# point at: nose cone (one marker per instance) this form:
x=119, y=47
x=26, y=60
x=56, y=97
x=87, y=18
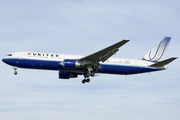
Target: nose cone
x=4, y=60
x=10, y=61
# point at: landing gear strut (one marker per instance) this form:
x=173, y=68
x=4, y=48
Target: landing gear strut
x=15, y=72
x=89, y=72
x=86, y=77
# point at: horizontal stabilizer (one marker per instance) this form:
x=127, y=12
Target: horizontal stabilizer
x=163, y=63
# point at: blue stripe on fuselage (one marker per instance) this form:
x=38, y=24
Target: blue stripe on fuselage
x=56, y=65
x=34, y=63
x=124, y=69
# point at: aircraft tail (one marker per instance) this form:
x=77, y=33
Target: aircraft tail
x=157, y=52
x=163, y=63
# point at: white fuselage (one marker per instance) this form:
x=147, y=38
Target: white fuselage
x=50, y=61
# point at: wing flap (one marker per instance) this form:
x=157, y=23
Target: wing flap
x=108, y=55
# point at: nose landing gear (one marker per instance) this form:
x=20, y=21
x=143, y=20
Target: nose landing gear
x=15, y=72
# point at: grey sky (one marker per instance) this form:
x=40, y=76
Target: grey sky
x=81, y=28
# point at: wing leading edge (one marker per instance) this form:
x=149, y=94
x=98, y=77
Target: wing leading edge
x=104, y=54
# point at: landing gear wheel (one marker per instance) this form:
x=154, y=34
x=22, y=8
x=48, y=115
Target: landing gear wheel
x=15, y=68
x=15, y=72
x=83, y=81
x=88, y=80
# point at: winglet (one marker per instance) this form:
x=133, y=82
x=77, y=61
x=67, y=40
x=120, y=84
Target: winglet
x=163, y=63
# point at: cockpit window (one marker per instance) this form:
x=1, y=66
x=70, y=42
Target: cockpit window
x=9, y=55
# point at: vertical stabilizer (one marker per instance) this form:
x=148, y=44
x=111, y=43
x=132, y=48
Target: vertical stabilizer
x=157, y=52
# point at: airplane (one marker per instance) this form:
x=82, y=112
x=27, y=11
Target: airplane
x=70, y=66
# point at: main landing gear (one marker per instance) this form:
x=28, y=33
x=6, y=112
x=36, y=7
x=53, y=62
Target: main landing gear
x=86, y=77
x=15, y=72
x=85, y=80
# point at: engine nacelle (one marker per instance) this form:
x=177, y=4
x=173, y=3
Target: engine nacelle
x=66, y=75
x=69, y=64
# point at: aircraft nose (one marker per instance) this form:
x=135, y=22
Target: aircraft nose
x=10, y=61
x=4, y=60
x=7, y=61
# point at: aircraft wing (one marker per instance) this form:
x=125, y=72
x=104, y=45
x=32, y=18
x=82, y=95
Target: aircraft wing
x=104, y=54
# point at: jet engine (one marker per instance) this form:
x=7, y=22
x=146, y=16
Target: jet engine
x=67, y=75
x=70, y=64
